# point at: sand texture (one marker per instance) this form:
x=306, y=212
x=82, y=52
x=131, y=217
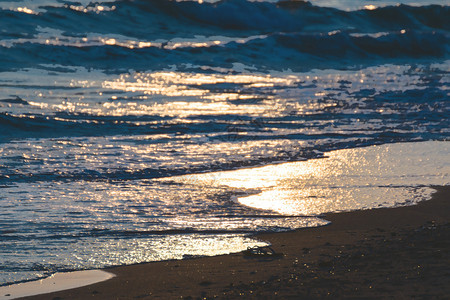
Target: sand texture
x=397, y=253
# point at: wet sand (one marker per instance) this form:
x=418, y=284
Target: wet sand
x=398, y=253
x=56, y=282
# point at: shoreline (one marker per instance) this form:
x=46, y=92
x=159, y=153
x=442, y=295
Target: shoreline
x=57, y=282
x=387, y=252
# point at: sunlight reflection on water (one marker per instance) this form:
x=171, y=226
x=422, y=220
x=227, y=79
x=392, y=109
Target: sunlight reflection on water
x=350, y=179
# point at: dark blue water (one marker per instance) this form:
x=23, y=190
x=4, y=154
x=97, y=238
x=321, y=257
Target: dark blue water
x=100, y=100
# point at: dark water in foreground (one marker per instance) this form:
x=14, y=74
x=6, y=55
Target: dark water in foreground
x=103, y=106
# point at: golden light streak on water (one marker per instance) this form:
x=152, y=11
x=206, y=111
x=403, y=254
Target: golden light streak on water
x=26, y=10
x=349, y=179
x=370, y=7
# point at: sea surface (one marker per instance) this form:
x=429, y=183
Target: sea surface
x=134, y=131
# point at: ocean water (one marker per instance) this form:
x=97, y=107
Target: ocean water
x=135, y=131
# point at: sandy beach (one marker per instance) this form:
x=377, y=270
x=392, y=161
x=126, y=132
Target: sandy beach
x=399, y=253
x=147, y=146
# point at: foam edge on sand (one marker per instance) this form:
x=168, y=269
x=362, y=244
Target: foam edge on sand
x=56, y=282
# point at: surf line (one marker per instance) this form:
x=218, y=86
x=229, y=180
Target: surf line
x=54, y=283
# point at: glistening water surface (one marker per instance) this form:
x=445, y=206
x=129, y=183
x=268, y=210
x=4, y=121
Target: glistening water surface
x=350, y=179
x=109, y=111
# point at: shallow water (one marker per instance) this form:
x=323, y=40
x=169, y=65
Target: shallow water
x=346, y=180
x=109, y=111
